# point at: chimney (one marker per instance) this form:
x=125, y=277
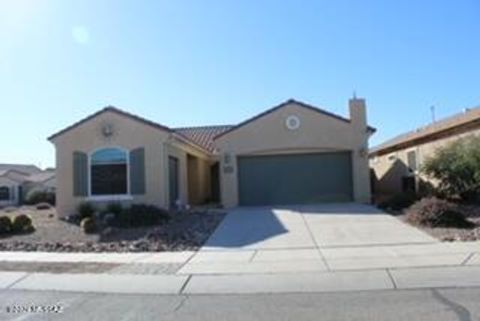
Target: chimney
x=358, y=113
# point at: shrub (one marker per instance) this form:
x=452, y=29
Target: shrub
x=43, y=206
x=86, y=210
x=457, y=169
x=141, y=215
x=5, y=225
x=434, y=212
x=114, y=208
x=22, y=223
x=88, y=225
x=399, y=201
x=35, y=197
x=109, y=219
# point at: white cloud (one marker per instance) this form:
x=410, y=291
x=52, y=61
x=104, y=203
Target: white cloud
x=80, y=35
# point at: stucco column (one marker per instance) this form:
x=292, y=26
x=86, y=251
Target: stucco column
x=361, y=169
x=228, y=179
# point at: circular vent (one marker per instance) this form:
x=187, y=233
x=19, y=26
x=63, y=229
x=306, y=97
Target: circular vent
x=292, y=122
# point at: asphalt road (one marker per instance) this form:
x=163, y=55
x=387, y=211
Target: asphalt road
x=435, y=305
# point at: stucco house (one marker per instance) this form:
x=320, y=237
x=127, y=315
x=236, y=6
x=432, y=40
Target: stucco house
x=293, y=153
x=396, y=163
x=17, y=180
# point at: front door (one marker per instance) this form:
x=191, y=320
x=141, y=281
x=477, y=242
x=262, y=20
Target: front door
x=173, y=186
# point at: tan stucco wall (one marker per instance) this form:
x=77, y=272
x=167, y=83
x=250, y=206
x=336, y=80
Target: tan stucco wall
x=389, y=173
x=317, y=133
x=129, y=134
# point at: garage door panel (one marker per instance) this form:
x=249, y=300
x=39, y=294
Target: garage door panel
x=295, y=179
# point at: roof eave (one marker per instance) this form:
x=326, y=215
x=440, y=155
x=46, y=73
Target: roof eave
x=104, y=110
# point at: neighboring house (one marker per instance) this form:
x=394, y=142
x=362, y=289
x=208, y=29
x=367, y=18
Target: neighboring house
x=396, y=162
x=291, y=154
x=16, y=181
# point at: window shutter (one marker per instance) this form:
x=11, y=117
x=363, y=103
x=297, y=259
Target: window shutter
x=137, y=171
x=80, y=174
x=12, y=193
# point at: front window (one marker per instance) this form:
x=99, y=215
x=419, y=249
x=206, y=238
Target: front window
x=108, y=172
x=4, y=193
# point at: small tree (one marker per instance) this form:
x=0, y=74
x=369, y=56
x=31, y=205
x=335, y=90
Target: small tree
x=456, y=167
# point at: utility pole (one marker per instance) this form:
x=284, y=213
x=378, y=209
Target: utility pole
x=432, y=110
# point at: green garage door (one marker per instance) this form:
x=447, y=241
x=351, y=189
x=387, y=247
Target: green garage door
x=295, y=179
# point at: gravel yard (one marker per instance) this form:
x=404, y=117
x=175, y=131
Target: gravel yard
x=110, y=268
x=185, y=231
x=456, y=234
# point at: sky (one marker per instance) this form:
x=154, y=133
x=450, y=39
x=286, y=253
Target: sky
x=188, y=63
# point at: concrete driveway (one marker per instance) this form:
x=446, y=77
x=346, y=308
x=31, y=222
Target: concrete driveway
x=312, y=226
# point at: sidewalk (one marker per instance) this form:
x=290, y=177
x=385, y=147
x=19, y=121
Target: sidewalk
x=252, y=271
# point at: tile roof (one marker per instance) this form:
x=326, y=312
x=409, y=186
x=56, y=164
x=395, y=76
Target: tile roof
x=202, y=135
x=467, y=116
x=41, y=177
x=27, y=169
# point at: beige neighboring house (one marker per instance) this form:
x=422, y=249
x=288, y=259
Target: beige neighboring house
x=293, y=153
x=396, y=162
x=16, y=181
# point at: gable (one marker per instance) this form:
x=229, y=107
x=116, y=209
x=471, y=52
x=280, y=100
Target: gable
x=269, y=131
x=286, y=104
x=112, y=110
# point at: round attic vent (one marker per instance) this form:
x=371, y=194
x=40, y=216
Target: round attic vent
x=292, y=122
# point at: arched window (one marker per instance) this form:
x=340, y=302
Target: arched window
x=4, y=193
x=109, y=172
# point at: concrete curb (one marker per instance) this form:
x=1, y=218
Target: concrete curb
x=289, y=283
x=102, y=283
x=342, y=281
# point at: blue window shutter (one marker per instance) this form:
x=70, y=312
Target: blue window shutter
x=80, y=174
x=137, y=171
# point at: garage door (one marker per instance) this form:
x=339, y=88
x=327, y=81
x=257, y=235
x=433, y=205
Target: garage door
x=295, y=179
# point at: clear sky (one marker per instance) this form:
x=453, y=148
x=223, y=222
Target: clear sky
x=206, y=62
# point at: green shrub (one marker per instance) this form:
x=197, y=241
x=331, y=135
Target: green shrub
x=114, y=208
x=22, y=223
x=86, y=210
x=141, y=215
x=434, y=212
x=35, y=197
x=5, y=225
x=399, y=201
x=457, y=169
x=88, y=225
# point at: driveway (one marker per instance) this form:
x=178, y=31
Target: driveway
x=312, y=226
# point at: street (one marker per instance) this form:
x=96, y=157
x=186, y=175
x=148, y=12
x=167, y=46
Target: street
x=428, y=304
